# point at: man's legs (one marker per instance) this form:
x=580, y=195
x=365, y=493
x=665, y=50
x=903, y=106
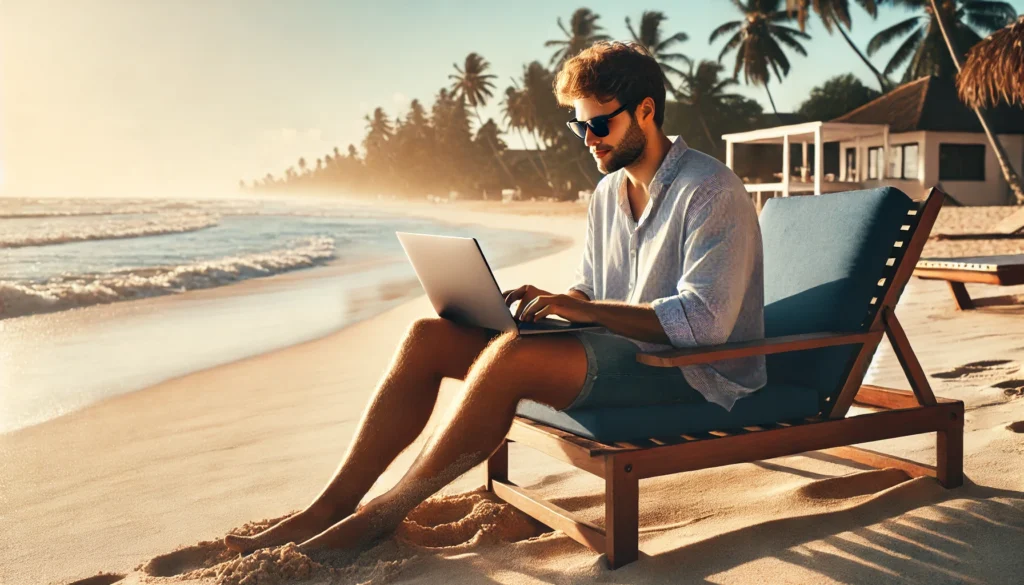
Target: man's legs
x=396, y=414
x=547, y=368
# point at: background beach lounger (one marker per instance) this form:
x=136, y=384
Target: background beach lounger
x=998, y=270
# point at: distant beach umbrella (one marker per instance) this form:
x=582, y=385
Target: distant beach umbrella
x=994, y=71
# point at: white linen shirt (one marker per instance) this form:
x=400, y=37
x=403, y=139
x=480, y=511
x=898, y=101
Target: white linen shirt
x=694, y=255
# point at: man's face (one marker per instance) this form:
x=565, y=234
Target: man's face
x=625, y=141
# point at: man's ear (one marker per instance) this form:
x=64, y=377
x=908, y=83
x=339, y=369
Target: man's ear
x=647, y=108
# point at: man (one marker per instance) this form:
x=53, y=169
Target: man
x=672, y=259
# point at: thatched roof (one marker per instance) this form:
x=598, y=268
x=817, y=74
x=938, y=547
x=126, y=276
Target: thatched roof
x=931, y=103
x=994, y=71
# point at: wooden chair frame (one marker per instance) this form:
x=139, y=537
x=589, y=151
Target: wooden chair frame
x=622, y=465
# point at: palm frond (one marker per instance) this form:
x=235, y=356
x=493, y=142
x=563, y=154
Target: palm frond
x=725, y=28
x=732, y=44
x=910, y=46
x=679, y=37
x=892, y=33
x=791, y=43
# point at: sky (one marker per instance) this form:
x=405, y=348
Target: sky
x=186, y=97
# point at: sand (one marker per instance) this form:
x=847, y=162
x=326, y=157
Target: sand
x=146, y=484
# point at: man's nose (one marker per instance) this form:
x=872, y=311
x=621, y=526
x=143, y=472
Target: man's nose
x=591, y=139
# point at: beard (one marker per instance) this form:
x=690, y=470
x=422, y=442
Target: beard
x=626, y=152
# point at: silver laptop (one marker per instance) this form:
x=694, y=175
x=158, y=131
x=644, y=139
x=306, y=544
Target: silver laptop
x=462, y=288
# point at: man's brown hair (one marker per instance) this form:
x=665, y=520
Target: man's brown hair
x=613, y=70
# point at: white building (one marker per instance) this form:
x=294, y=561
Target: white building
x=915, y=137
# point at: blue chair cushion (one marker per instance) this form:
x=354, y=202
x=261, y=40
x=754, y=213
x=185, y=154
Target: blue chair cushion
x=824, y=257
x=773, y=403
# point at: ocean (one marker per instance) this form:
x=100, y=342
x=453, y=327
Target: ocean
x=68, y=336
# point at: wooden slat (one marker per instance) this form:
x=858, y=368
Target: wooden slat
x=880, y=397
x=702, y=355
x=958, y=275
x=882, y=460
x=545, y=440
x=908, y=360
x=551, y=515
x=793, y=439
x=621, y=510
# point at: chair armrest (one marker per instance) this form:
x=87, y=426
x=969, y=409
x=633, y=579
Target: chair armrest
x=712, y=353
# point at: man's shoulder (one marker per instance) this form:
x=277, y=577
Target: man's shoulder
x=606, y=188
x=700, y=176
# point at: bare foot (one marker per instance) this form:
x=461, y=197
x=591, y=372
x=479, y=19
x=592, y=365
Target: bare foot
x=296, y=528
x=366, y=525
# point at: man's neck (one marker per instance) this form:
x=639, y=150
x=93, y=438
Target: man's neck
x=643, y=170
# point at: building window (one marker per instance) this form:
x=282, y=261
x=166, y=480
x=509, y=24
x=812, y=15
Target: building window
x=851, y=164
x=876, y=163
x=961, y=162
x=903, y=161
x=910, y=154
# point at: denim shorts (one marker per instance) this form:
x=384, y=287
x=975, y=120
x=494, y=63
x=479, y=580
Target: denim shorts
x=615, y=378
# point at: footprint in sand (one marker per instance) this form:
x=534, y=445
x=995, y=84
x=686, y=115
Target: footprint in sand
x=198, y=556
x=100, y=579
x=853, y=485
x=1016, y=427
x=980, y=370
x=1011, y=388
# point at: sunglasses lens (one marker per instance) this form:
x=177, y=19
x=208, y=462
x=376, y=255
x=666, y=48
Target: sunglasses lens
x=599, y=127
x=578, y=128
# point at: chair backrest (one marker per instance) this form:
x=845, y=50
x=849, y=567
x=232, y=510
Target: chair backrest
x=829, y=261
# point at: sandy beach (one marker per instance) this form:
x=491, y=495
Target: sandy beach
x=120, y=486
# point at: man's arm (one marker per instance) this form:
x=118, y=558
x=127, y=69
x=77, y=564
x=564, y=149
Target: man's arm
x=576, y=294
x=633, y=321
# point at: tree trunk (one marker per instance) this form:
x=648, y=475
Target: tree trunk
x=882, y=81
x=533, y=163
x=707, y=131
x=770, y=99
x=1011, y=176
x=494, y=149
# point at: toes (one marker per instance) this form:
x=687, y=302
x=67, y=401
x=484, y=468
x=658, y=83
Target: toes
x=240, y=544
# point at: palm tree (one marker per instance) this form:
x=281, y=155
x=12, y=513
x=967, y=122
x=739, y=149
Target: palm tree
x=757, y=39
x=473, y=85
x=703, y=90
x=650, y=37
x=583, y=31
x=924, y=46
x=302, y=165
x=837, y=13
x=945, y=12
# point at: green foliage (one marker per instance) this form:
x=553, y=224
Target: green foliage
x=837, y=96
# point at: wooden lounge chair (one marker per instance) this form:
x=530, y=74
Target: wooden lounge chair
x=835, y=266
x=997, y=270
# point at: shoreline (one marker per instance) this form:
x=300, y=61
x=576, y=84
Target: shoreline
x=300, y=305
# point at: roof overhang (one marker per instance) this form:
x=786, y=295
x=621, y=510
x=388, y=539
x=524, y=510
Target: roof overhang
x=830, y=132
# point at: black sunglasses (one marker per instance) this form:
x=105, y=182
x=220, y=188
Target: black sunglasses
x=598, y=124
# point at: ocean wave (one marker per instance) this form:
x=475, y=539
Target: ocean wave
x=66, y=292
x=110, y=229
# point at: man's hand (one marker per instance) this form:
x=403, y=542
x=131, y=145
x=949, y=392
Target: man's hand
x=524, y=294
x=565, y=306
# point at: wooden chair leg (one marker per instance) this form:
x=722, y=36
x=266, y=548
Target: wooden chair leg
x=496, y=467
x=950, y=468
x=949, y=453
x=960, y=296
x=621, y=512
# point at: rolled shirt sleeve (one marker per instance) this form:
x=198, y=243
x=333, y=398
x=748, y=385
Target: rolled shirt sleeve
x=718, y=263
